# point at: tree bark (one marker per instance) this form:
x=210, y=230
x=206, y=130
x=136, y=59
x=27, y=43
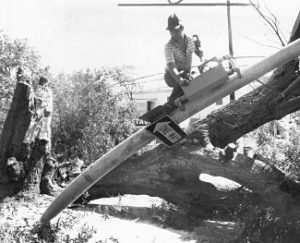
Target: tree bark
x=174, y=175
x=277, y=98
x=23, y=152
x=15, y=127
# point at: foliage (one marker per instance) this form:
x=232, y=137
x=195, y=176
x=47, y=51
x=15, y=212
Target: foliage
x=14, y=54
x=45, y=233
x=278, y=142
x=266, y=224
x=169, y=215
x=19, y=222
x=89, y=116
x=122, y=80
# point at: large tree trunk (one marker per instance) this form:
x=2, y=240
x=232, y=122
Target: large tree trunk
x=23, y=151
x=173, y=174
x=272, y=101
x=15, y=127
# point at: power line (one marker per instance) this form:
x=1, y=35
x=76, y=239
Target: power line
x=180, y=4
x=132, y=82
x=241, y=57
x=140, y=79
x=147, y=76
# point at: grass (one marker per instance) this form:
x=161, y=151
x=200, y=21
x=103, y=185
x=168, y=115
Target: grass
x=19, y=223
x=118, y=223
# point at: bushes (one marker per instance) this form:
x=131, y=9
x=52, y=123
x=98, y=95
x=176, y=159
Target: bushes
x=89, y=117
x=278, y=142
x=14, y=54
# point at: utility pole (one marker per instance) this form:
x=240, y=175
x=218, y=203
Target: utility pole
x=232, y=95
x=180, y=4
x=229, y=28
x=203, y=4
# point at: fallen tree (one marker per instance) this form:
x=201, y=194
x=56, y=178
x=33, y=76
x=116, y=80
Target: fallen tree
x=173, y=174
x=267, y=201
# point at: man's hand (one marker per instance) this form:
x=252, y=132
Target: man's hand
x=184, y=82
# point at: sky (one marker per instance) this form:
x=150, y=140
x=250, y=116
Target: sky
x=73, y=35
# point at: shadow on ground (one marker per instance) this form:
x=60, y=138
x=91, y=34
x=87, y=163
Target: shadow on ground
x=191, y=228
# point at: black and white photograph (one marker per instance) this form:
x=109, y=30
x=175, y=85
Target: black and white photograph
x=149, y=121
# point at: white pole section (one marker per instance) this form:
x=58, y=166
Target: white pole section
x=124, y=150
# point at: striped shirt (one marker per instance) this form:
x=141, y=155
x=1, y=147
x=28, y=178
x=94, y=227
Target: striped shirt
x=182, y=58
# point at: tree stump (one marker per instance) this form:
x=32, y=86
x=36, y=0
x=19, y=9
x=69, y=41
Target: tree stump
x=25, y=141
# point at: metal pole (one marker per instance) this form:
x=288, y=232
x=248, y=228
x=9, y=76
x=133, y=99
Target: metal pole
x=124, y=150
x=179, y=4
x=232, y=95
x=229, y=28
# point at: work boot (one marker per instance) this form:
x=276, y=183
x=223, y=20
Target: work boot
x=169, y=107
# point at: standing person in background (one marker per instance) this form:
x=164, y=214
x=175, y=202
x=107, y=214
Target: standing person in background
x=178, y=54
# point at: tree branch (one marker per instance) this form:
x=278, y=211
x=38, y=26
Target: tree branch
x=272, y=23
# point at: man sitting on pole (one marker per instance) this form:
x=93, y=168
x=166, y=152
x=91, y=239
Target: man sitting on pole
x=178, y=55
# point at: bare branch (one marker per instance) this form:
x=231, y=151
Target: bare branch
x=273, y=23
x=262, y=44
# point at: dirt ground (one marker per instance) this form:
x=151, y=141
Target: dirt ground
x=126, y=219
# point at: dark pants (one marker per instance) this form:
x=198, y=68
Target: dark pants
x=177, y=90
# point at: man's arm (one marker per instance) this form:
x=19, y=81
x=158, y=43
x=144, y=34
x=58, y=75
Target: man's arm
x=175, y=74
x=171, y=66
